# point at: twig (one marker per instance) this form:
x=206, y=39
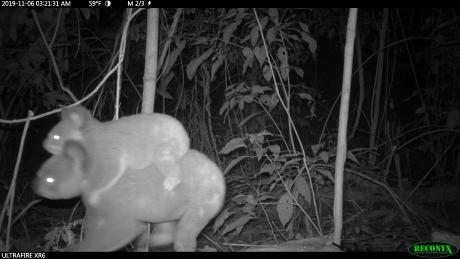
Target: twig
x=10, y=195
x=53, y=60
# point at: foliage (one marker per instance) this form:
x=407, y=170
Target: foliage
x=61, y=236
x=248, y=85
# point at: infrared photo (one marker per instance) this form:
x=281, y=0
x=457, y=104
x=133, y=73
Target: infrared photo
x=142, y=129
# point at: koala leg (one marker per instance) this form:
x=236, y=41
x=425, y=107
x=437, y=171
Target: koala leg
x=161, y=235
x=108, y=234
x=189, y=227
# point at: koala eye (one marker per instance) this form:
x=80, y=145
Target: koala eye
x=49, y=180
x=56, y=137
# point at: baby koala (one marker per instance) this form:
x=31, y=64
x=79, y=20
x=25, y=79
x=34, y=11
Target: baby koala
x=131, y=142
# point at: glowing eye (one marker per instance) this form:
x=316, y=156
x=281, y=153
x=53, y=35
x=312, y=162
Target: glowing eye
x=56, y=137
x=50, y=180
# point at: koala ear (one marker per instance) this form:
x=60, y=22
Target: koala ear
x=78, y=116
x=76, y=152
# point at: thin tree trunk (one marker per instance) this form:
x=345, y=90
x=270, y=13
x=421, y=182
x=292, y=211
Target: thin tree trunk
x=151, y=61
x=378, y=87
x=343, y=121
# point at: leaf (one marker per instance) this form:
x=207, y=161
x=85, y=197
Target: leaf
x=263, y=22
x=172, y=57
x=304, y=27
x=269, y=168
x=249, y=205
x=248, y=118
x=272, y=33
x=324, y=156
x=306, y=96
x=352, y=157
x=284, y=66
x=288, y=183
x=294, y=37
x=193, y=65
x=298, y=70
x=240, y=103
x=248, y=99
x=267, y=73
x=257, y=138
x=224, y=107
x=273, y=13
x=260, y=54
x=265, y=197
x=257, y=89
x=264, y=133
x=275, y=149
x=240, y=199
x=230, y=13
x=326, y=173
x=282, y=55
x=219, y=221
x=254, y=35
x=260, y=151
x=420, y=110
x=232, y=145
x=228, y=31
x=161, y=91
x=356, y=229
x=237, y=224
x=232, y=103
x=269, y=100
x=216, y=65
x=312, y=44
x=285, y=208
x=243, y=100
x=247, y=52
x=294, y=161
x=233, y=163
x=86, y=13
x=412, y=95
x=303, y=188
x=201, y=41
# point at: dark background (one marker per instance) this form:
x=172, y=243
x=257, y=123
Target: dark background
x=417, y=118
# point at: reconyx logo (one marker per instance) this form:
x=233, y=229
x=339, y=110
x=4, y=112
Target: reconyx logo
x=432, y=249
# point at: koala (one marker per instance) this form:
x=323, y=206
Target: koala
x=138, y=197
